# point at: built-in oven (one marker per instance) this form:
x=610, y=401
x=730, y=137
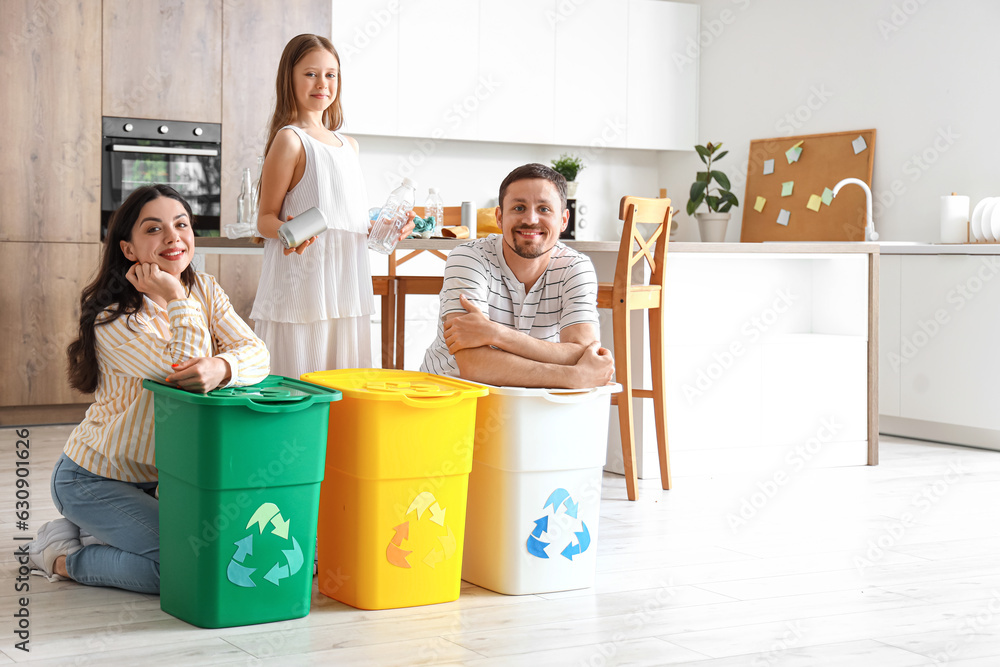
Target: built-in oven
x=186, y=156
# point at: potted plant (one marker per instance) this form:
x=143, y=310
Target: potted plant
x=569, y=166
x=711, y=224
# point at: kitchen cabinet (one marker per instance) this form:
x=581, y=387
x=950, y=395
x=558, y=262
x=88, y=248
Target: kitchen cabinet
x=239, y=276
x=602, y=73
x=590, y=89
x=50, y=166
x=40, y=303
x=941, y=324
x=163, y=59
x=890, y=288
x=948, y=328
x=366, y=35
x=662, y=75
x=253, y=37
x=439, y=86
x=517, y=62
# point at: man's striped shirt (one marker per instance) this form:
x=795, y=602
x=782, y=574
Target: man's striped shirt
x=564, y=295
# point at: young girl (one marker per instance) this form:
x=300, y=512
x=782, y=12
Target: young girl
x=146, y=315
x=313, y=307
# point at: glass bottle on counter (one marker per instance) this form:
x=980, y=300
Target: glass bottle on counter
x=244, y=203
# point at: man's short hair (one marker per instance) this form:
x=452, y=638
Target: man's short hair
x=531, y=171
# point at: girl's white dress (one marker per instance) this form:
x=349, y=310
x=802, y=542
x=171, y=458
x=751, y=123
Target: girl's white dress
x=313, y=311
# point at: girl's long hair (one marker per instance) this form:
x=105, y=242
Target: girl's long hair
x=110, y=292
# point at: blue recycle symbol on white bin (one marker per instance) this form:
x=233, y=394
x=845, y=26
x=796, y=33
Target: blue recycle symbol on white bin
x=559, y=500
x=241, y=574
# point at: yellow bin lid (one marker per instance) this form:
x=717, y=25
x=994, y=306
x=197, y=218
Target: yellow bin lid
x=413, y=388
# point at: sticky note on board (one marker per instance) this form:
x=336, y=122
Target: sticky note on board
x=814, y=202
x=859, y=144
x=768, y=167
x=783, y=217
x=827, y=196
x=794, y=153
x=786, y=188
x=759, y=205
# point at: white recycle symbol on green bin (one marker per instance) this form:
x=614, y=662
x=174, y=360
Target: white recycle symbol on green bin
x=240, y=574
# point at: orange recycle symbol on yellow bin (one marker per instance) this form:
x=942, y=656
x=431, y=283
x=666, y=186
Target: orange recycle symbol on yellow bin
x=426, y=538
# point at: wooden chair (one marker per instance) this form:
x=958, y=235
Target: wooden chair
x=396, y=288
x=622, y=297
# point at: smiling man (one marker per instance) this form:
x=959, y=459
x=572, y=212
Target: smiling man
x=519, y=308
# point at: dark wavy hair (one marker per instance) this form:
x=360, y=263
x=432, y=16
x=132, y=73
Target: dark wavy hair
x=110, y=292
x=535, y=170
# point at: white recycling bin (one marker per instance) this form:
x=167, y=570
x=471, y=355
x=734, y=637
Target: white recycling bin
x=535, y=489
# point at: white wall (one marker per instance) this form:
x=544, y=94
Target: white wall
x=472, y=171
x=922, y=72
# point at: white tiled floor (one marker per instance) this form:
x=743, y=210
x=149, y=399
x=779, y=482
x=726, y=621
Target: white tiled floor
x=897, y=564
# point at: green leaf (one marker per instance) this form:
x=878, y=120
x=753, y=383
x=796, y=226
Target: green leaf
x=721, y=155
x=698, y=190
x=725, y=207
x=722, y=179
x=694, y=204
x=702, y=176
x=710, y=147
x=730, y=197
x=703, y=153
x=713, y=203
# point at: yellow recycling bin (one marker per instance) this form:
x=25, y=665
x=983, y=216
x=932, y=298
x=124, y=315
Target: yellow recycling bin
x=393, y=499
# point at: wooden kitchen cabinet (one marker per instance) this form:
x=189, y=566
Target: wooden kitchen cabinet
x=163, y=59
x=40, y=303
x=253, y=36
x=50, y=166
x=239, y=276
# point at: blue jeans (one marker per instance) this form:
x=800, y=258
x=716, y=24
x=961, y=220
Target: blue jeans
x=125, y=515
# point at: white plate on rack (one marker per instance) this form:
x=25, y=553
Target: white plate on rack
x=986, y=220
x=994, y=220
x=976, y=221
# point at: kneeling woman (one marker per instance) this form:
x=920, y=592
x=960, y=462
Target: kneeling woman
x=148, y=314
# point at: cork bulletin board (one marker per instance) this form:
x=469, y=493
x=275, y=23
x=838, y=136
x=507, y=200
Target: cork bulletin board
x=789, y=188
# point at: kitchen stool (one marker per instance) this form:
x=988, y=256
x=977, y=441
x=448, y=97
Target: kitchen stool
x=622, y=297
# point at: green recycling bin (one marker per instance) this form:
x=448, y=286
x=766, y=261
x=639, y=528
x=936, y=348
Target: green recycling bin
x=239, y=471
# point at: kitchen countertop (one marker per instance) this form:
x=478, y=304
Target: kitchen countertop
x=243, y=246
x=905, y=248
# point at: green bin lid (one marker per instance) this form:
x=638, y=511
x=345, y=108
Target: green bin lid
x=274, y=390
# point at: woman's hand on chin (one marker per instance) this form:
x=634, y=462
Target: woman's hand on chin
x=152, y=281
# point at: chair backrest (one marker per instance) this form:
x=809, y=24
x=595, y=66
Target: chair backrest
x=634, y=211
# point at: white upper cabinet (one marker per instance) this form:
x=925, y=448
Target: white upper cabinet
x=591, y=56
x=366, y=35
x=517, y=59
x=662, y=75
x=619, y=73
x=439, y=69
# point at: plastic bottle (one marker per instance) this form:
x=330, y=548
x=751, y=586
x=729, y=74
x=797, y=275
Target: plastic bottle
x=391, y=218
x=434, y=207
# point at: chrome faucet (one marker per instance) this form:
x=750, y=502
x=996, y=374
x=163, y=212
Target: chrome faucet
x=870, y=233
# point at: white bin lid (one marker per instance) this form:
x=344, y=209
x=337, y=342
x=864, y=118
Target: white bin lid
x=556, y=395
